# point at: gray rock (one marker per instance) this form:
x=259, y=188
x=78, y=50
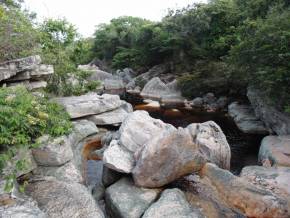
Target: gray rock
x=274, y=179
x=154, y=89
x=167, y=157
x=138, y=128
x=118, y=158
x=53, y=152
x=274, y=119
x=41, y=72
x=245, y=118
x=126, y=75
x=83, y=129
x=114, y=86
x=115, y=117
x=30, y=85
x=124, y=199
x=197, y=102
x=212, y=143
x=89, y=104
x=173, y=98
x=275, y=151
x=23, y=208
x=171, y=204
x=67, y=172
x=61, y=199
x=21, y=154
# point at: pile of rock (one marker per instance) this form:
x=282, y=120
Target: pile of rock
x=146, y=155
x=103, y=109
x=26, y=71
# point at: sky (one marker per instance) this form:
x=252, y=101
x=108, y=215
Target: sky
x=87, y=14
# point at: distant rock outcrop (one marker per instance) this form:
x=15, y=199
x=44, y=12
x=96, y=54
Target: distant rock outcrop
x=25, y=71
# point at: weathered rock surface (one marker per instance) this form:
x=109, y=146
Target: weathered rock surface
x=251, y=200
x=53, y=152
x=124, y=199
x=138, y=128
x=275, y=151
x=115, y=117
x=25, y=71
x=89, y=104
x=246, y=120
x=212, y=143
x=172, y=204
x=67, y=172
x=61, y=199
x=23, y=208
x=274, y=119
x=201, y=194
x=154, y=89
x=126, y=75
x=173, y=98
x=273, y=179
x=166, y=157
x=118, y=158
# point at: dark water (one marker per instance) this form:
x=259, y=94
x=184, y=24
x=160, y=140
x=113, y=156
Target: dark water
x=244, y=147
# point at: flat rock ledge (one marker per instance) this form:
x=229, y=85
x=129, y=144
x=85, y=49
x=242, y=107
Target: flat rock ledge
x=28, y=72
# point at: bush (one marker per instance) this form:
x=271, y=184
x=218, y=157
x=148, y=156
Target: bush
x=24, y=118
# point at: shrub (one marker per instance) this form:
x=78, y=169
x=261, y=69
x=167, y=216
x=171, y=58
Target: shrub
x=23, y=118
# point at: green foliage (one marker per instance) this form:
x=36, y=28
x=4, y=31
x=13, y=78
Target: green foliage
x=18, y=37
x=23, y=118
x=264, y=53
x=62, y=48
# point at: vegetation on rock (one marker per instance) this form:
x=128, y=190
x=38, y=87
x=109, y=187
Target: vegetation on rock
x=24, y=118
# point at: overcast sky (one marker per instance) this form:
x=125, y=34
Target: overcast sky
x=86, y=14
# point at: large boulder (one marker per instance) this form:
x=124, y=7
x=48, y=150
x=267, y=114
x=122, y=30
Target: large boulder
x=212, y=143
x=172, y=204
x=251, y=200
x=246, y=120
x=166, y=157
x=126, y=75
x=154, y=89
x=89, y=104
x=125, y=200
x=136, y=130
x=173, y=98
x=275, y=151
x=61, y=199
x=274, y=119
x=178, y=152
x=270, y=178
